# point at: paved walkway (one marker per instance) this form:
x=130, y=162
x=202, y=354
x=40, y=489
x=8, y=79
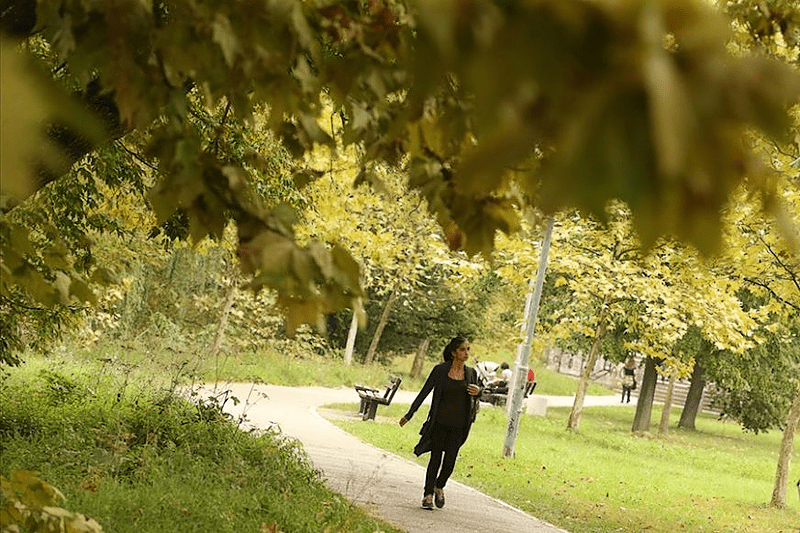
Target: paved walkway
x=384, y=484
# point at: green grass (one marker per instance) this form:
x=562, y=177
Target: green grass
x=280, y=369
x=276, y=368
x=603, y=479
x=138, y=457
x=270, y=366
x=551, y=383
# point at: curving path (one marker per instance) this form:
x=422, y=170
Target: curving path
x=384, y=484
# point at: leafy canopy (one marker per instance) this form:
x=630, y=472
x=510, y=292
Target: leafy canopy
x=488, y=106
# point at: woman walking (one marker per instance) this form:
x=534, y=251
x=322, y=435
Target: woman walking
x=455, y=397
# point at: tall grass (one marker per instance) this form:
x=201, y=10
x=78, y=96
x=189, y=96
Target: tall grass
x=290, y=368
x=138, y=457
x=297, y=368
x=717, y=478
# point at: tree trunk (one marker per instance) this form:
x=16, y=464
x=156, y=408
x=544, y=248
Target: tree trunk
x=419, y=359
x=785, y=455
x=574, y=421
x=379, y=330
x=351, y=340
x=644, y=406
x=693, y=398
x=663, y=426
x=223, y=322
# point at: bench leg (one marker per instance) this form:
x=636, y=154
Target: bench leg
x=362, y=406
x=370, y=411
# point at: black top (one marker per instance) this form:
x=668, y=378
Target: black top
x=437, y=382
x=451, y=409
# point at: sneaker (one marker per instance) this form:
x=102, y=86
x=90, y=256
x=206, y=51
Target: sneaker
x=439, y=498
x=427, y=502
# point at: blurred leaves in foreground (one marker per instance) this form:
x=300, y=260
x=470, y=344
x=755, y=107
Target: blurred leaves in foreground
x=494, y=109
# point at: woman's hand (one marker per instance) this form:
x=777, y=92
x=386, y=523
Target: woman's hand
x=403, y=422
x=473, y=390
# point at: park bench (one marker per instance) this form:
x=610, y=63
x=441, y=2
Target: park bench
x=371, y=398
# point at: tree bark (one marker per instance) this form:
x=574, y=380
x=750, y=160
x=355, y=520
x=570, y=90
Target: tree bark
x=663, y=426
x=693, y=398
x=379, y=330
x=351, y=341
x=574, y=421
x=785, y=456
x=644, y=406
x=419, y=359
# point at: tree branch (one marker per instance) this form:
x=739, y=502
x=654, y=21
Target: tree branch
x=772, y=292
x=136, y=155
x=789, y=271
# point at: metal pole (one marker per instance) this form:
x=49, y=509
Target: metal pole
x=521, y=366
x=518, y=357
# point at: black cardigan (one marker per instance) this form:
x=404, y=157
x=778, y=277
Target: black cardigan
x=435, y=383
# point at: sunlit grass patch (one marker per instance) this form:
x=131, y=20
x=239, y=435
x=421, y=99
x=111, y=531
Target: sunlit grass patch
x=603, y=478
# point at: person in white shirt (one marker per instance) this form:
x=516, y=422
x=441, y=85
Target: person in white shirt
x=506, y=373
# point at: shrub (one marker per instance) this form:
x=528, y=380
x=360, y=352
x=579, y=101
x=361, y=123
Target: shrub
x=161, y=460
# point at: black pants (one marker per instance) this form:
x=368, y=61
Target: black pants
x=445, y=443
x=626, y=391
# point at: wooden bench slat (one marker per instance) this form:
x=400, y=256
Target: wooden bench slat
x=371, y=398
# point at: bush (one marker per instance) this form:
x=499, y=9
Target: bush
x=160, y=460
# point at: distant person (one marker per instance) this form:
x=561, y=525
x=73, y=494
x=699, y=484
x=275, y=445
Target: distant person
x=628, y=379
x=504, y=381
x=531, y=383
x=455, y=395
x=506, y=373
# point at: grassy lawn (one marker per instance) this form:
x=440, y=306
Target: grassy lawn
x=603, y=479
x=277, y=368
x=281, y=369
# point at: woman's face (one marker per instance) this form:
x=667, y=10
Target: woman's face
x=462, y=352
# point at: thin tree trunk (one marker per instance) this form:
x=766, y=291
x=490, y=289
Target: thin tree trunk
x=223, y=322
x=351, y=340
x=785, y=455
x=574, y=421
x=693, y=398
x=419, y=359
x=644, y=406
x=663, y=426
x=379, y=330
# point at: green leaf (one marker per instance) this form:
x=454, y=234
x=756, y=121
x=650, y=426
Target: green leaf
x=223, y=34
x=302, y=71
x=347, y=271
x=80, y=290
x=312, y=130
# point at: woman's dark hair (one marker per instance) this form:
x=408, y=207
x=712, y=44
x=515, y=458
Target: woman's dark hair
x=452, y=346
